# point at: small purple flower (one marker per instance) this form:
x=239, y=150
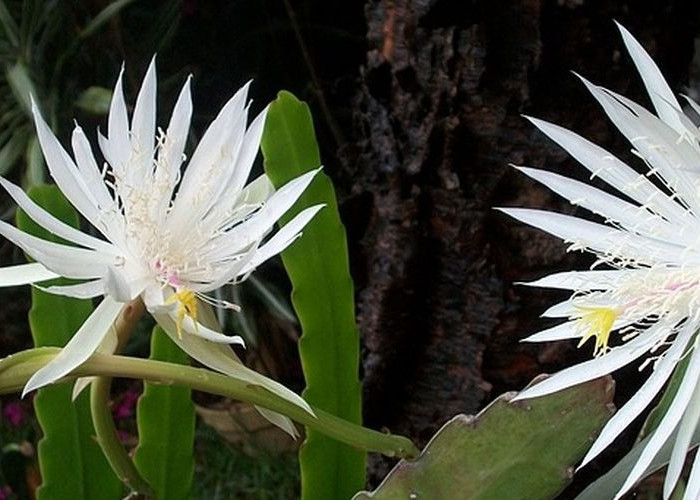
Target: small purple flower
x=5, y=492
x=125, y=407
x=15, y=414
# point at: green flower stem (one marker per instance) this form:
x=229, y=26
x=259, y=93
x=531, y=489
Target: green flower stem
x=108, y=438
x=16, y=370
x=102, y=419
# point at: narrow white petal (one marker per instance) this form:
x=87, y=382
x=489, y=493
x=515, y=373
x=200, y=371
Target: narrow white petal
x=692, y=487
x=51, y=223
x=118, y=143
x=600, y=238
x=279, y=420
x=108, y=345
x=653, y=139
x=597, y=367
x=143, y=125
x=87, y=290
x=668, y=423
x=642, y=398
x=246, y=155
x=193, y=328
x=25, y=274
x=89, y=170
x=659, y=92
x=221, y=358
x=563, y=331
x=631, y=217
x=71, y=262
x=616, y=173
x=80, y=347
x=256, y=227
x=171, y=153
x=208, y=153
x=65, y=173
x=681, y=446
x=283, y=238
x=581, y=280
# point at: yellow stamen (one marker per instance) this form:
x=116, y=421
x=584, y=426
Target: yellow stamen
x=598, y=322
x=187, y=306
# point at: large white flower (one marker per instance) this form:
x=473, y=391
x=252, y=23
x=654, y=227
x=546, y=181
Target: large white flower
x=168, y=247
x=647, y=293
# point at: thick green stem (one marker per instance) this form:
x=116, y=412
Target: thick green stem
x=108, y=438
x=16, y=370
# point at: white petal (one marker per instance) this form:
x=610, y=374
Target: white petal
x=87, y=166
x=108, y=345
x=51, y=223
x=193, y=328
x=71, y=262
x=597, y=367
x=279, y=420
x=661, y=95
x=631, y=217
x=118, y=144
x=682, y=445
x=653, y=139
x=668, y=423
x=601, y=238
x=581, y=280
x=692, y=487
x=66, y=175
x=283, y=238
x=255, y=227
x=87, y=290
x=206, y=157
x=25, y=274
x=562, y=331
x=641, y=399
x=79, y=348
x=221, y=358
x=143, y=126
x=171, y=154
x=246, y=155
x=604, y=165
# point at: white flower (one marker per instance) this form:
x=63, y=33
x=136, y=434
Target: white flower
x=168, y=247
x=648, y=293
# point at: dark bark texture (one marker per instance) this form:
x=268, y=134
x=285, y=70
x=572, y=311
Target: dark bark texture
x=437, y=121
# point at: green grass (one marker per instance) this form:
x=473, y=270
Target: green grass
x=223, y=472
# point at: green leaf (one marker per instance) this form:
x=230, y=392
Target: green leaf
x=94, y=100
x=166, y=418
x=323, y=299
x=71, y=462
x=523, y=450
x=111, y=10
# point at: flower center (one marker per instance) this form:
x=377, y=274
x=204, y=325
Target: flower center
x=597, y=322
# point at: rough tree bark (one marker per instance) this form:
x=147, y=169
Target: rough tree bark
x=437, y=122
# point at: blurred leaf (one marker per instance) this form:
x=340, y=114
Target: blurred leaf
x=71, y=462
x=166, y=418
x=104, y=16
x=36, y=169
x=94, y=100
x=11, y=151
x=273, y=299
x=21, y=85
x=524, y=450
x=323, y=298
x=9, y=25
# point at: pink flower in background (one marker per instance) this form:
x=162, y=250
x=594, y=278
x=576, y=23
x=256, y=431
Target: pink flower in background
x=15, y=414
x=125, y=407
